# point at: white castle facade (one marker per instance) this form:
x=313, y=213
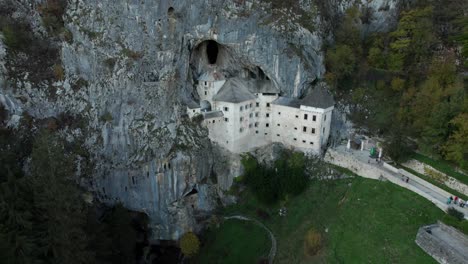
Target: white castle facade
x=242, y=114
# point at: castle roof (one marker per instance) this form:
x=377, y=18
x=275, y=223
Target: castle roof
x=192, y=105
x=318, y=97
x=213, y=114
x=263, y=86
x=234, y=90
x=211, y=76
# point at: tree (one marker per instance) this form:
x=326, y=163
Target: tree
x=412, y=40
x=189, y=244
x=58, y=206
x=456, y=149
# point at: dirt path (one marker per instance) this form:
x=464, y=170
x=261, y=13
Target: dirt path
x=272, y=254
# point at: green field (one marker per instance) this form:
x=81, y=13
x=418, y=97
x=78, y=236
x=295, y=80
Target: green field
x=361, y=220
x=235, y=241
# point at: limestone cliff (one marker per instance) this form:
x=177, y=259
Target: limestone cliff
x=130, y=67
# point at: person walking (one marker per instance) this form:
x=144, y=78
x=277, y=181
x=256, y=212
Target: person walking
x=407, y=179
x=455, y=200
x=448, y=200
x=461, y=203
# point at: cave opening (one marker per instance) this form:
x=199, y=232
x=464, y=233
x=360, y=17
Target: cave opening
x=170, y=11
x=192, y=192
x=212, y=51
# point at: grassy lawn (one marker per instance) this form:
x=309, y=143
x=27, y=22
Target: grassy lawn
x=442, y=166
x=235, y=241
x=361, y=221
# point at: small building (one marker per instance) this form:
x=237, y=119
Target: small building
x=242, y=114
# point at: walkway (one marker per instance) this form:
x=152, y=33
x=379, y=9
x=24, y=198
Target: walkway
x=360, y=163
x=272, y=254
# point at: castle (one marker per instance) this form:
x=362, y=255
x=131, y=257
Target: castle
x=242, y=114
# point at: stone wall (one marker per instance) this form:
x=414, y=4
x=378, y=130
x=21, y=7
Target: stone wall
x=437, y=175
x=439, y=249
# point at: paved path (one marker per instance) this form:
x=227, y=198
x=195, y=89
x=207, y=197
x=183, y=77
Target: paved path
x=436, y=195
x=272, y=254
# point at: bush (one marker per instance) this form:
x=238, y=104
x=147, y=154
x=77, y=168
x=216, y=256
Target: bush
x=312, y=242
x=189, y=244
x=59, y=72
x=286, y=177
x=52, y=15
x=262, y=214
x=455, y=213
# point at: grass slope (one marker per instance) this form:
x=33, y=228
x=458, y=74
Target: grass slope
x=235, y=241
x=366, y=221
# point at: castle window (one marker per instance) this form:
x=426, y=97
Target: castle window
x=324, y=130
x=267, y=125
x=241, y=108
x=251, y=115
x=295, y=128
x=246, y=106
x=250, y=125
x=133, y=180
x=257, y=104
x=313, y=130
x=277, y=135
x=256, y=124
x=325, y=117
x=250, y=105
x=278, y=124
x=303, y=141
x=311, y=143
x=314, y=118
x=295, y=139
x=214, y=121
x=206, y=83
x=268, y=104
x=305, y=116
x=279, y=113
x=194, y=111
x=226, y=109
x=241, y=129
x=297, y=116
x=226, y=119
x=205, y=93
x=241, y=118
x=267, y=115
x=266, y=134
x=256, y=114
x=304, y=129
x=256, y=131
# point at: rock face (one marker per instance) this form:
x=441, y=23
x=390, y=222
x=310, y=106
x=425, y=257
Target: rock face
x=131, y=68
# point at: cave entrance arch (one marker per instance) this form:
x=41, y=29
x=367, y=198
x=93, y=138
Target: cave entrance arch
x=205, y=106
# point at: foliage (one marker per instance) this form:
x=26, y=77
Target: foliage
x=59, y=72
x=406, y=83
x=52, y=12
x=456, y=148
x=286, y=177
x=106, y=117
x=189, y=244
x=455, y=213
x=312, y=242
x=441, y=166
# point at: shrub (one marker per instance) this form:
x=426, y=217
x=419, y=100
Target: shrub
x=312, y=242
x=59, y=72
x=132, y=54
x=52, y=15
x=189, y=244
x=106, y=117
x=455, y=213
